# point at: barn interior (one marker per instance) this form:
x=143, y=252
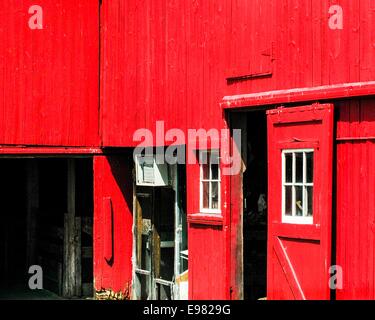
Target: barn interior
x=253, y=126
x=46, y=220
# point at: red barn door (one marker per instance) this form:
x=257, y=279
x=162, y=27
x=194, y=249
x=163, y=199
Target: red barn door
x=113, y=223
x=300, y=142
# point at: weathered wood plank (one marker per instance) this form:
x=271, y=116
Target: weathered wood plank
x=78, y=257
x=69, y=266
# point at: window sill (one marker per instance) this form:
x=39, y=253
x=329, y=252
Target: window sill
x=212, y=219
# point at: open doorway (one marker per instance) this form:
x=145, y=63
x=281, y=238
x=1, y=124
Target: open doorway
x=255, y=207
x=160, y=235
x=46, y=221
x=250, y=217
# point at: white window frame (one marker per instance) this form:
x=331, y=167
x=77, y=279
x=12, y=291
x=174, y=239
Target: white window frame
x=209, y=180
x=296, y=219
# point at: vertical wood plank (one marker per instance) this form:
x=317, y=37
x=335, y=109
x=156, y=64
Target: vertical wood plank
x=69, y=263
x=78, y=256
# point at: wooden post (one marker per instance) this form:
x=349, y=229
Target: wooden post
x=78, y=256
x=32, y=209
x=71, y=256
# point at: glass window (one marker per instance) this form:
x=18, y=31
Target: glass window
x=298, y=186
x=210, y=181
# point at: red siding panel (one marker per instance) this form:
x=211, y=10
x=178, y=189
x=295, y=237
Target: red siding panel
x=355, y=200
x=49, y=77
x=367, y=40
x=113, y=223
x=162, y=60
x=169, y=60
x=206, y=260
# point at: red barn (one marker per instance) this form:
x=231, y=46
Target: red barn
x=283, y=92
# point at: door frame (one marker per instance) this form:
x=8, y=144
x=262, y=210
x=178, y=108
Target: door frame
x=235, y=198
x=178, y=214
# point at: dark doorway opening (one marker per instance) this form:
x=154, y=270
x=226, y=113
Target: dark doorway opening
x=160, y=239
x=46, y=221
x=255, y=206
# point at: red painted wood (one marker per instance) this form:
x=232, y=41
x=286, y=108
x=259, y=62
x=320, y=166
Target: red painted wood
x=205, y=279
x=113, y=196
x=27, y=150
x=251, y=40
x=367, y=40
x=299, y=255
x=108, y=229
x=355, y=202
x=49, y=78
x=288, y=267
x=169, y=60
x=322, y=93
x=213, y=220
x=206, y=242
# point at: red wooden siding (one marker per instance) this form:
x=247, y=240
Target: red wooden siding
x=113, y=222
x=251, y=39
x=169, y=60
x=162, y=60
x=307, y=52
x=49, y=77
x=208, y=270
x=207, y=275
x=144, y=67
x=355, y=198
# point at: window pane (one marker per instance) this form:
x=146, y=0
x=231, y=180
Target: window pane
x=288, y=167
x=288, y=200
x=205, y=195
x=215, y=195
x=215, y=171
x=299, y=201
x=206, y=171
x=309, y=201
x=309, y=167
x=204, y=157
x=215, y=157
x=299, y=167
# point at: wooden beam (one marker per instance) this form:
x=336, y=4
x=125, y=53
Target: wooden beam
x=320, y=93
x=288, y=269
x=31, y=150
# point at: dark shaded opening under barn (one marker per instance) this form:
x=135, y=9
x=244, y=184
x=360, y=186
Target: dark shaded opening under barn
x=255, y=207
x=46, y=220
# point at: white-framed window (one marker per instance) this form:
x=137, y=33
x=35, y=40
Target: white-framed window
x=297, y=186
x=209, y=181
